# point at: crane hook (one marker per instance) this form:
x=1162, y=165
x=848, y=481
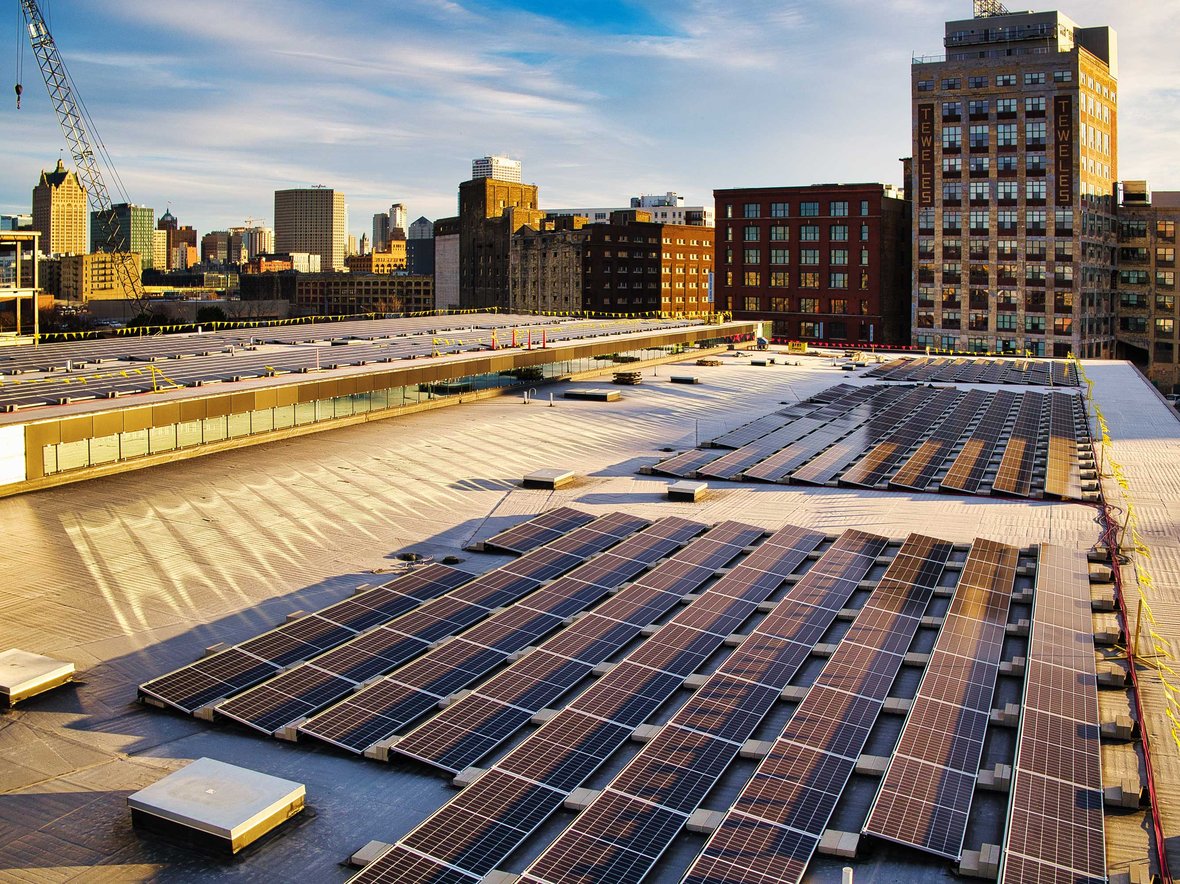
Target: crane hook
x=19, y=90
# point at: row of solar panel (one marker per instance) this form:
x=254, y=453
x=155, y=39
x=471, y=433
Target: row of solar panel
x=626, y=830
x=948, y=370
x=908, y=436
x=771, y=831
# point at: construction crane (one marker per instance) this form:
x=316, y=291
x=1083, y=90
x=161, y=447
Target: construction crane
x=77, y=127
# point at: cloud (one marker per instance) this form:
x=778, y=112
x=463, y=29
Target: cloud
x=212, y=109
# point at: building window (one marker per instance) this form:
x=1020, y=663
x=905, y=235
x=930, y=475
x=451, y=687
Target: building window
x=780, y=279
x=980, y=190
x=780, y=233
x=809, y=279
x=864, y=233
x=952, y=221
x=1165, y=229
x=1063, y=76
x=1006, y=220
x=838, y=233
x=809, y=257
x=839, y=305
x=864, y=208
x=750, y=210
x=752, y=279
x=1006, y=165
x=980, y=220
x=752, y=256
x=1005, y=79
x=952, y=83
x=976, y=82
x=1035, y=222
x=952, y=192
x=864, y=282
x=1034, y=104
x=952, y=137
x=839, y=257
x=952, y=110
x=979, y=136
x=752, y=303
x=809, y=305
x=750, y=233
x=780, y=210
x=1063, y=219
x=729, y=211
x=780, y=256
x=950, y=166
x=1006, y=105
x=809, y=233
x=839, y=208
x=1166, y=303
x=1165, y=255
x=1034, y=134
x=1035, y=189
x=809, y=210
x=1165, y=279
x=1006, y=135
x=1034, y=79
x=925, y=85
x=1008, y=190
x=838, y=280
x=1035, y=163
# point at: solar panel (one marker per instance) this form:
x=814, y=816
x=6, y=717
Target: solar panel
x=1055, y=827
x=823, y=468
x=755, y=429
x=882, y=459
x=1063, y=475
x=234, y=669
x=538, y=531
x=978, y=371
x=622, y=833
x=925, y=797
x=775, y=825
x=687, y=463
x=967, y=470
x=1015, y=473
x=735, y=462
x=304, y=689
x=473, y=832
x=470, y=728
x=385, y=707
x=919, y=469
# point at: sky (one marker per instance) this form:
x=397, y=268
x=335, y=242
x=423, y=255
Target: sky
x=210, y=107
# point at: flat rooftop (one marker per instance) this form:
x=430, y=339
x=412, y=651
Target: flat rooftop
x=134, y=575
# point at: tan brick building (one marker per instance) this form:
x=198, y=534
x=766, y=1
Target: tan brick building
x=311, y=220
x=336, y=294
x=60, y=213
x=546, y=266
x=389, y=260
x=95, y=277
x=1015, y=136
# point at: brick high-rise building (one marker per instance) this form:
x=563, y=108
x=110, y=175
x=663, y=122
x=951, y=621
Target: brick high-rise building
x=500, y=168
x=1147, y=314
x=312, y=220
x=822, y=263
x=490, y=211
x=546, y=266
x=59, y=212
x=1015, y=138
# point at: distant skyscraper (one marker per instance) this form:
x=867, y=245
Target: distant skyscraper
x=423, y=228
x=59, y=212
x=380, y=231
x=1015, y=163
x=135, y=225
x=500, y=168
x=168, y=224
x=257, y=241
x=311, y=220
x=397, y=221
x=490, y=211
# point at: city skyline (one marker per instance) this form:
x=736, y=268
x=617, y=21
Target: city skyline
x=598, y=104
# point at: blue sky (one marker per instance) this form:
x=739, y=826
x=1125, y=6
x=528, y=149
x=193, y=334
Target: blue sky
x=212, y=106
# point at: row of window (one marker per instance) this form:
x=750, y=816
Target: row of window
x=1034, y=164
x=1139, y=301
x=776, y=304
x=979, y=135
x=1031, y=78
x=979, y=248
x=807, y=279
x=1139, y=255
x=1137, y=325
x=807, y=232
x=1165, y=279
x=982, y=191
x=807, y=209
x=1036, y=221
x=1033, y=325
x=1032, y=347
x=806, y=256
x=1137, y=229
